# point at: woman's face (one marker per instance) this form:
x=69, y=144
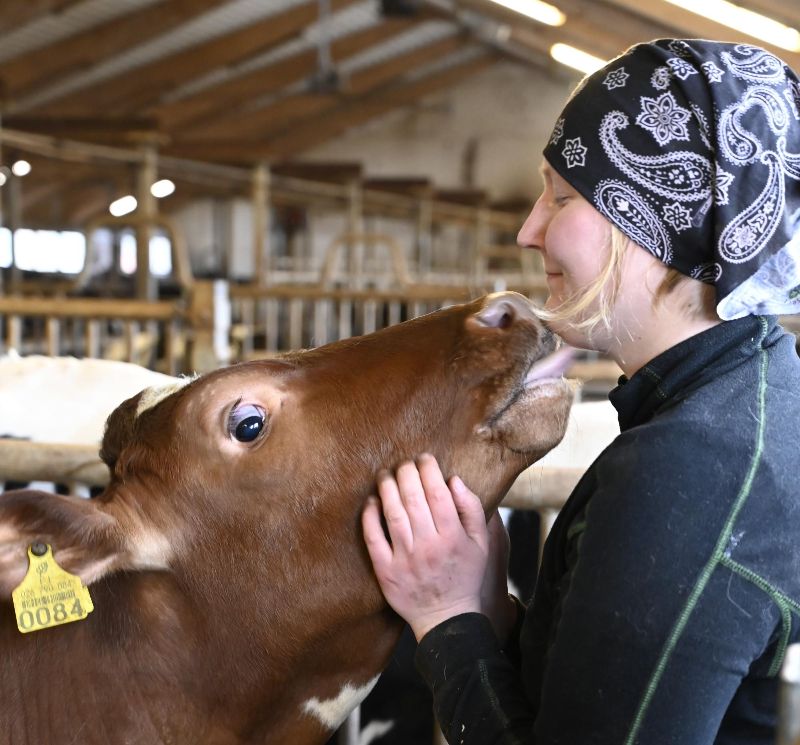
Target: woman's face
x=571, y=235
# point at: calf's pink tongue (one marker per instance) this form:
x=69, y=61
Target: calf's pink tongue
x=552, y=366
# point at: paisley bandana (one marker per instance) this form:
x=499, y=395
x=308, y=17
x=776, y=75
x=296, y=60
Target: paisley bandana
x=692, y=149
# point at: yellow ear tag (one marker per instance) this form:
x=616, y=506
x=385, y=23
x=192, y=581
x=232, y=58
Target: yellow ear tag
x=49, y=596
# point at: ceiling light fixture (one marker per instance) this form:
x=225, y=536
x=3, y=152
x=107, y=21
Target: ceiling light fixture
x=536, y=9
x=747, y=21
x=576, y=58
x=162, y=188
x=123, y=206
x=21, y=168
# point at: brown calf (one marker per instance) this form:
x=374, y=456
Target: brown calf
x=234, y=600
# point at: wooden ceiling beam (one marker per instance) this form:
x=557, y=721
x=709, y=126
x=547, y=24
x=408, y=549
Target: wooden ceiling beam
x=221, y=99
x=39, y=68
x=17, y=13
x=691, y=25
x=272, y=120
x=316, y=130
x=331, y=173
x=601, y=30
x=109, y=131
x=371, y=106
x=132, y=90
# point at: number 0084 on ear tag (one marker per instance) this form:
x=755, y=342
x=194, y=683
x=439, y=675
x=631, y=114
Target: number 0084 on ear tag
x=49, y=596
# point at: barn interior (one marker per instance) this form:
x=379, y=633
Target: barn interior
x=186, y=184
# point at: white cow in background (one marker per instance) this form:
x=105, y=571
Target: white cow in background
x=64, y=400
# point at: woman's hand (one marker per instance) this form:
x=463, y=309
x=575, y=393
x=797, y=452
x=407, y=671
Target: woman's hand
x=434, y=564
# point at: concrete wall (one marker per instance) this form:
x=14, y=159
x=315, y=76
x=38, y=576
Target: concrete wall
x=488, y=133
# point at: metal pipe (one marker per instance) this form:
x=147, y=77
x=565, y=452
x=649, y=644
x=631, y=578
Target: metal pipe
x=788, y=732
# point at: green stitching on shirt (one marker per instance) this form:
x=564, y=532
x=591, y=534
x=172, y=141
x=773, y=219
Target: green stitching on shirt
x=785, y=603
x=716, y=556
x=576, y=528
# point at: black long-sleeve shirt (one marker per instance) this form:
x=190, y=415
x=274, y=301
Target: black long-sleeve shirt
x=670, y=583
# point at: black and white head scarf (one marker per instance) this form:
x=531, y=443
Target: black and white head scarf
x=692, y=149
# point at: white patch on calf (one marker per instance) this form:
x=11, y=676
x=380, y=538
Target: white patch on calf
x=151, y=550
x=155, y=394
x=333, y=711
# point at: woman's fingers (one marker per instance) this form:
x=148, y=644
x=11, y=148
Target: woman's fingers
x=394, y=512
x=380, y=552
x=413, y=494
x=440, y=500
x=418, y=503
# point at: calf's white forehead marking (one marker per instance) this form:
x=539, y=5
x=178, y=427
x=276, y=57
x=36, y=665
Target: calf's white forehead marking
x=153, y=395
x=333, y=711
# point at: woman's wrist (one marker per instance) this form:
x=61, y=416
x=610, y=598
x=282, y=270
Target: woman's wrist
x=422, y=625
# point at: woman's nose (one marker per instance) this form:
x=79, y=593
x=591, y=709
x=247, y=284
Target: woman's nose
x=531, y=234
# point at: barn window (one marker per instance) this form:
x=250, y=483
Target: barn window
x=44, y=250
x=160, y=254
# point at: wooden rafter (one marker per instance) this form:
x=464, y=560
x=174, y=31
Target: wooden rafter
x=145, y=85
x=42, y=67
x=272, y=120
x=16, y=13
x=594, y=27
x=350, y=114
x=228, y=98
x=111, y=131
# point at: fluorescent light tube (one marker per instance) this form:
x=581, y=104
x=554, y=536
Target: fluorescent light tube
x=747, y=21
x=576, y=58
x=536, y=9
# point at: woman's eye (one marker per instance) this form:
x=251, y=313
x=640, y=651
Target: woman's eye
x=246, y=422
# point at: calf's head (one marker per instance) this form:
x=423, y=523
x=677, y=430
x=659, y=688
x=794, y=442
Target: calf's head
x=245, y=485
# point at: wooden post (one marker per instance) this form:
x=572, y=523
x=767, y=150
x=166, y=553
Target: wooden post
x=12, y=188
x=481, y=240
x=210, y=323
x=147, y=208
x=789, y=698
x=261, y=222
x=53, y=335
x=351, y=729
x=424, y=231
x=355, y=230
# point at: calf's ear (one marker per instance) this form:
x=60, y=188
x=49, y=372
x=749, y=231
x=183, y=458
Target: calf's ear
x=119, y=430
x=86, y=541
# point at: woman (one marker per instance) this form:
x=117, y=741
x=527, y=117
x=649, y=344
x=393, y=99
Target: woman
x=670, y=584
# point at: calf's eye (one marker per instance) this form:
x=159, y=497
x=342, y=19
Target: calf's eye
x=246, y=422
